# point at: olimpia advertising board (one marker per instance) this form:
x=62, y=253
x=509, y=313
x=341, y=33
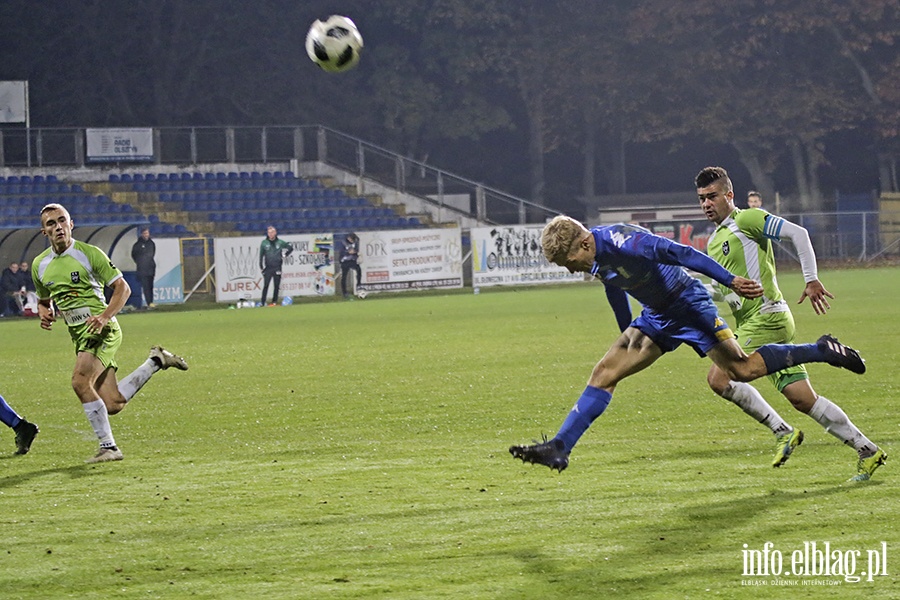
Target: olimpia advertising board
x=511, y=255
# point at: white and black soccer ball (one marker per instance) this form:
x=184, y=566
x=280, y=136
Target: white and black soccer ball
x=334, y=44
x=361, y=293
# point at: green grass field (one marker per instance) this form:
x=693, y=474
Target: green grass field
x=338, y=450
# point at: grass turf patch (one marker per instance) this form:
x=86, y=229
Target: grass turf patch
x=359, y=450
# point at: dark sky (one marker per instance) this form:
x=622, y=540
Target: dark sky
x=62, y=49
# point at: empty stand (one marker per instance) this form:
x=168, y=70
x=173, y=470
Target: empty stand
x=248, y=201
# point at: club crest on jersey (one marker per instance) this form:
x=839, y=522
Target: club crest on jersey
x=725, y=248
x=76, y=277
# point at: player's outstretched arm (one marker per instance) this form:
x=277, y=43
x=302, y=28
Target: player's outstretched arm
x=817, y=295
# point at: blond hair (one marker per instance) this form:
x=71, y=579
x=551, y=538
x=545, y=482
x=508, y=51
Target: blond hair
x=560, y=236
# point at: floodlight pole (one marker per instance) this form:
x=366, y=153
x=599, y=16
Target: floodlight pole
x=27, y=127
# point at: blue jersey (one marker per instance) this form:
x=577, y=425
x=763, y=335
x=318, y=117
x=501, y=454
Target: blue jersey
x=648, y=267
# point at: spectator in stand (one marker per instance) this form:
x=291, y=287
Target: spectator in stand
x=754, y=199
x=30, y=299
x=13, y=292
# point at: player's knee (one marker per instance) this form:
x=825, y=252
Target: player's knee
x=718, y=381
x=114, y=405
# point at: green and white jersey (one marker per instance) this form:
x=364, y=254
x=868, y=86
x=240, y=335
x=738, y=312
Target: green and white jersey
x=74, y=280
x=742, y=243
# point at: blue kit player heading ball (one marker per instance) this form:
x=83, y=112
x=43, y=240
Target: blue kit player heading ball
x=631, y=260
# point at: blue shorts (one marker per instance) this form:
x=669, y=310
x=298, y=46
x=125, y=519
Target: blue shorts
x=691, y=319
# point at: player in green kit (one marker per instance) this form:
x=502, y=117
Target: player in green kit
x=742, y=243
x=70, y=277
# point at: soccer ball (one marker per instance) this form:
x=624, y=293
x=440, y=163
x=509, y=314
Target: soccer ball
x=334, y=44
x=361, y=293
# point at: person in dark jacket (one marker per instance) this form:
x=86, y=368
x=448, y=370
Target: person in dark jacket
x=11, y=291
x=271, y=256
x=143, y=253
x=350, y=262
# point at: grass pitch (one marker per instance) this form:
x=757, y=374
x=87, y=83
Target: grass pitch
x=341, y=450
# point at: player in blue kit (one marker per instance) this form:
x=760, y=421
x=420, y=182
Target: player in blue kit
x=631, y=260
x=25, y=431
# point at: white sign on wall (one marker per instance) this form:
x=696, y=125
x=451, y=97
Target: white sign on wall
x=512, y=255
x=13, y=101
x=119, y=145
x=168, y=287
x=411, y=259
x=307, y=271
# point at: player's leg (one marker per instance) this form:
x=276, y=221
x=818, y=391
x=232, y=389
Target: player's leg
x=267, y=277
x=748, y=399
x=88, y=369
x=633, y=351
x=276, y=286
x=771, y=358
x=25, y=431
x=836, y=422
x=756, y=331
x=160, y=359
x=8, y=416
x=357, y=283
x=148, y=291
x=345, y=269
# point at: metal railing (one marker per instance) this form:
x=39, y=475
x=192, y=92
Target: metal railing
x=42, y=148
x=836, y=236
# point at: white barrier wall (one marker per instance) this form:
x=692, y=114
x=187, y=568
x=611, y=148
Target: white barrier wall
x=511, y=255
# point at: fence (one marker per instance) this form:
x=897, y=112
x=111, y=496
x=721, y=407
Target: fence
x=836, y=236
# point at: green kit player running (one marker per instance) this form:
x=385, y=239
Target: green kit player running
x=71, y=275
x=742, y=244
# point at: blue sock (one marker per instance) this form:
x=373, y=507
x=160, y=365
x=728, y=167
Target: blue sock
x=590, y=405
x=7, y=414
x=782, y=356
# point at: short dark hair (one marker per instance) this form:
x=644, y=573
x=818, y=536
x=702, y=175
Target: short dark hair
x=709, y=175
